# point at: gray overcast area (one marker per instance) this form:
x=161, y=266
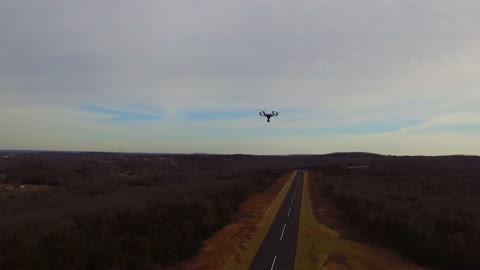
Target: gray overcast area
x=382, y=76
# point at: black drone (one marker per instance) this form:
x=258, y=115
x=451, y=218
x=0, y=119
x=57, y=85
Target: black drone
x=268, y=115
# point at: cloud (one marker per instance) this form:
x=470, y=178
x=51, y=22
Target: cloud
x=337, y=67
x=182, y=54
x=460, y=121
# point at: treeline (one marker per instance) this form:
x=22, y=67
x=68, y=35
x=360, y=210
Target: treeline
x=445, y=242
x=432, y=219
x=163, y=233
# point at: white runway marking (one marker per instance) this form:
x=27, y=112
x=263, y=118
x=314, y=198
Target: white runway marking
x=293, y=199
x=281, y=236
x=289, y=211
x=273, y=264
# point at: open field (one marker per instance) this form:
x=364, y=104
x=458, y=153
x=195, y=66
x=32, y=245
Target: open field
x=9, y=190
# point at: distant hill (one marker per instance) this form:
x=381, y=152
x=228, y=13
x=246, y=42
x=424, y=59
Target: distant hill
x=352, y=154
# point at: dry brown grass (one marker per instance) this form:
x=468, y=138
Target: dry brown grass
x=235, y=245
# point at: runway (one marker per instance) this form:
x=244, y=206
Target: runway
x=279, y=246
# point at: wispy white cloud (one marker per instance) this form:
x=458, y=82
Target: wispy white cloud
x=447, y=122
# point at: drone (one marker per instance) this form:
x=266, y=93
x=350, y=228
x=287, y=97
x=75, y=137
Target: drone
x=268, y=115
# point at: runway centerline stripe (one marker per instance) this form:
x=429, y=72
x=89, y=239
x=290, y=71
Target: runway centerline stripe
x=289, y=209
x=281, y=236
x=273, y=264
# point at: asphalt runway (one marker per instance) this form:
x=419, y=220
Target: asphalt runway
x=279, y=247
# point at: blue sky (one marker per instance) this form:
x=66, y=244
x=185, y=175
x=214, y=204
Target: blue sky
x=201, y=116
x=122, y=116
x=393, y=77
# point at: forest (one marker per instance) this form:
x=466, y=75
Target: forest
x=427, y=208
x=121, y=211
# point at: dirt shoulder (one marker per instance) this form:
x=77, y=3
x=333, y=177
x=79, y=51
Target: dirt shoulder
x=325, y=242
x=236, y=244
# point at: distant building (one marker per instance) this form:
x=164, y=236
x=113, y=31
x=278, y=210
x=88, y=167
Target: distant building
x=8, y=187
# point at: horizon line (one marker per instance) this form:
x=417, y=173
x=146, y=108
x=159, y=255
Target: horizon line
x=6, y=151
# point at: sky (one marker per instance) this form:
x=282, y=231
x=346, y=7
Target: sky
x=384, y=76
